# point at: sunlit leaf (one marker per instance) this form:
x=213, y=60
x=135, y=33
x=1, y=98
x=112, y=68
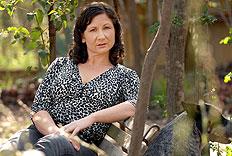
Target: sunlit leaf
x=39, y=16
x=12, y=28
x=65, y=24
x=10, y=9
x=1, y=8
x=52, y=12
x=227, y=78
x=23, y=30
x=225, y=40
x=33, y=1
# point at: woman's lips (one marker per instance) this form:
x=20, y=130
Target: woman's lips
x=101, y=45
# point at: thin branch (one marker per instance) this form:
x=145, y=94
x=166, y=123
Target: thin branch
x=158, y=44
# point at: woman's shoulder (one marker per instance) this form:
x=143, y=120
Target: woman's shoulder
x=126, y=71
x=61, y=61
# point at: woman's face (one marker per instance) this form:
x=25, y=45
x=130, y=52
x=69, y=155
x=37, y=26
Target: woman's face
x=99, y=35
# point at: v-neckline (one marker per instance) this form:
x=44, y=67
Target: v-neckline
x=93, y=79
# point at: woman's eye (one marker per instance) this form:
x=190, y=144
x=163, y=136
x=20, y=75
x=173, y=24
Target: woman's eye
x=92, y=30
x=107, y=27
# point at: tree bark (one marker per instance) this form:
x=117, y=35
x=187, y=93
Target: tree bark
x=135, y=37
x=158, y=44
x=175, y=59
x=52, y=37
x=116, y=7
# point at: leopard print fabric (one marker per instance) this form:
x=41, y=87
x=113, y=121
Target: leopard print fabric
x=66, y=98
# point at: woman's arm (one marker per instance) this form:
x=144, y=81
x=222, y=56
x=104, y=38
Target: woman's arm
x=115, y=113
x=108, y=115
x=44, y=123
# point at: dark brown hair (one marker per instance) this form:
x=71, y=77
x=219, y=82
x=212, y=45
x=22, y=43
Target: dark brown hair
x=79, y=50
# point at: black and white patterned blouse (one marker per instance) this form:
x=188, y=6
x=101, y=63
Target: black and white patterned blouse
x=66, y=98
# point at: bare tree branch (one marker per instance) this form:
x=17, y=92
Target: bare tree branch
x=158, y=44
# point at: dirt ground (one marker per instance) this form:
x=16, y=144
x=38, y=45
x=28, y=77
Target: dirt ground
x=12, y=119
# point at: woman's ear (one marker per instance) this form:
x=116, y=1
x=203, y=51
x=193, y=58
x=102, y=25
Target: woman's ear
x=83, y=38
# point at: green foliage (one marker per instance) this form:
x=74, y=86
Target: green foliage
x=154, y=28
x=228, y=39
x=228, y=77
x=228, y=151
x=44, y=55
x=15, y=58
x=9, y=7
x=206, y=18
x=177, y=21
x=36, y=38
x=160, y=97
x=19, y=33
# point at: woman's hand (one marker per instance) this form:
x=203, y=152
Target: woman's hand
x=76, y=126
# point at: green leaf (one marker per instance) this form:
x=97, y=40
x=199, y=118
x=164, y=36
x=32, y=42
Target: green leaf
x=12, y=28
x=23, y=30
x=44, y=58
x=65, y=23
x=52, y=12
x=39, y=16
x=67, y=10
x=227, y=78
x=33, y=1
x=31, y=45
x=75, y=3
x=16, y=35
x=58, y=25
x=154, y=28
x=30, y=16
x=10, y=9
x=225, y=40
x=177, y=21
x=35, y=35
x=1, y=8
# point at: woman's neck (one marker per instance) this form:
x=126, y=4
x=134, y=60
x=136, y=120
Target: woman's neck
x=99, y=60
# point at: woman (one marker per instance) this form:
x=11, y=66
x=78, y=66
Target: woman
x=86, y=91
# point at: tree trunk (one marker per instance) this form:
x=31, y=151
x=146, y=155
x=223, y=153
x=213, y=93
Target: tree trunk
x=52, y=37
x=135, y=37
x=5, y=23
x=158, y=44
x=175, y=59
x=116, y=7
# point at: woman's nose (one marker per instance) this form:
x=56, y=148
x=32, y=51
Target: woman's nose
x=100, y=34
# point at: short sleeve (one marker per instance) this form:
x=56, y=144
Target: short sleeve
x=43, y=95
x=130, y=87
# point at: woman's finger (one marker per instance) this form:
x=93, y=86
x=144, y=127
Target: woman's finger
x=76, y=130
x=75, y=144
x=68, y=128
